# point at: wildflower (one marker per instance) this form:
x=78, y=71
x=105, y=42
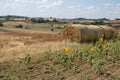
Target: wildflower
x=100, y=39
x=66, y=49
x=106, y=46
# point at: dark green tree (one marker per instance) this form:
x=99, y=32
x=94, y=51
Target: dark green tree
x=19, y=26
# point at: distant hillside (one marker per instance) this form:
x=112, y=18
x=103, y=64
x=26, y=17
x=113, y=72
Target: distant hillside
x=12, y=16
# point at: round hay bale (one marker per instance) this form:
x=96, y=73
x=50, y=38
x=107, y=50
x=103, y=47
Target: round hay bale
x=96, y=31
x=71, y=33
x=79, y=33
x=109, y=32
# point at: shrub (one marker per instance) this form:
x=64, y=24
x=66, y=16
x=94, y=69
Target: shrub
x=19, y=26
x=58, y=27
x=1, y=24
x=52, y=29
x=27, y=28
x=76, y=22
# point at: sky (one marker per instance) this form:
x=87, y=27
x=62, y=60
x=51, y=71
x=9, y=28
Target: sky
x=93, y=9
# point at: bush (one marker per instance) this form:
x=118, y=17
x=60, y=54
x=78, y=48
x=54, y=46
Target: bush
x=19, y=26
x=52, y=29
x=1, y=24
x=58, y=27
x=76, y=22
x=27, y=28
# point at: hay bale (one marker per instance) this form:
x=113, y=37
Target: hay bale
x=71, y=33
x=80, y=33
x=109, y=32
x=96, y=31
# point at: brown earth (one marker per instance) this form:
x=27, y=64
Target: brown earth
x=38, y=70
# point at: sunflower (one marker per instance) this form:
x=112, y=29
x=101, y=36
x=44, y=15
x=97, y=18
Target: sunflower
x=100, y=39
x=66, y=49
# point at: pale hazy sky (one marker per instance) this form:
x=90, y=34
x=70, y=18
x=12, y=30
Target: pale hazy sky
x=61, y=8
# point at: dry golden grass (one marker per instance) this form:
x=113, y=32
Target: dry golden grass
x=15, y=43
x=18, y=52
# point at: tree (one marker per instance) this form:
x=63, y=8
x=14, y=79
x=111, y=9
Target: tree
x=98, y=22
x=19, y=26
x=55, y=20
x=33, y=20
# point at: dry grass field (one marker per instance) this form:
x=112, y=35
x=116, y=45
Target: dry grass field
x=30, y=54
x=15, y=42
